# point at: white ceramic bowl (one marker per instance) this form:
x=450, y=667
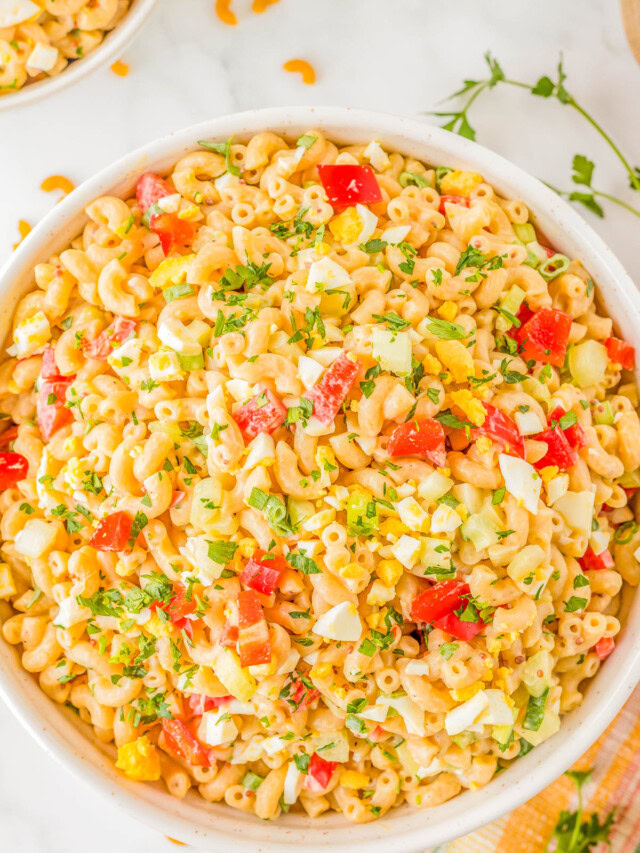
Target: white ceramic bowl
x=216, y=826
x=110, y=49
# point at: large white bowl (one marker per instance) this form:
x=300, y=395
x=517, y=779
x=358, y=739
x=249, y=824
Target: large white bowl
x=109, y=49
x=403, y=830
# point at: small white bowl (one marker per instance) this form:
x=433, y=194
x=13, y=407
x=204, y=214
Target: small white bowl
x=109, y=49
x=216, y=826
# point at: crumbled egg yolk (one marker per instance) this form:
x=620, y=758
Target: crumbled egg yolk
x=389, y=571
x=548, y=473
x=321, y=248
x=448, y=310
x=354, y=780
x=457, y=358
x=376, y=619
x=346, y=226
x=393, y=527
x=321, y=670
x=431, y=365
x=471, y=406
x=139, y=760
x=462, y=694
x=459, y=182
x=500, y=678
x=484, y=444
x=352, y=571
x=31, y=335
x=74, y=473
x=158, y=628
x=7, y=584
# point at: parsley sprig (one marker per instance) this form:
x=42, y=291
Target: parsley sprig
x=574, y=835
x=545, y=87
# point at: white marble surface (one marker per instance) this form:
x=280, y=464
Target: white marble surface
x=393, y=55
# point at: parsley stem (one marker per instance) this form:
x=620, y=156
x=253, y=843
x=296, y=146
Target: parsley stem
x=578, y=824
x=635, y=181
x=612, y=198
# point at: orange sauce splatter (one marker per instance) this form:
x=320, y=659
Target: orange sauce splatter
x=120, y=68
x=223, y=11
x=305, y=68
x=57, y=182
x=259, y=6
x=175, y=841
x=23, y=229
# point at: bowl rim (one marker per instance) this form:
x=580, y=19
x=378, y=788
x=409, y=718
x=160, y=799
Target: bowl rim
x=115, y=41
x=471, y=809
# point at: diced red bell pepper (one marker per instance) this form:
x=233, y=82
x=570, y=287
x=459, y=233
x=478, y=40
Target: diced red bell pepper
x=300, y=697
x=549, y=252
x=180, y=607
x=150, y=189
x=345, y=184
x=523, y=316
x=51, y=412
x=8, y=436
x=264, y=413
x=320, y=772
x=453, y=625
x=544, y=337
x=604, y=647
x=452, y=199
x=171, y=230
x=620, y=352
x=574, y=434
x=330, y=392
x=49, y=369
x=559, y=451
x=499, y=427
x=199, y=704
x=419, y=437
x=263, y=572
x=594, y=562
x=112, y=532
x=229, y=635
x=104, y=344
x=183, y=743
x=13, y=467
x=439, y=600
x=254, y=646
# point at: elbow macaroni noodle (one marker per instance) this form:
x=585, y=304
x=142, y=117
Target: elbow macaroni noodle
x=45, y=36
x=359, y=705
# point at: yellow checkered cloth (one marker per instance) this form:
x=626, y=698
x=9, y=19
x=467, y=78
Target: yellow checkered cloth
x=615, y=759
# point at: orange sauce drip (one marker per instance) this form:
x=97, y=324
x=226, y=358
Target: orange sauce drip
x=23, y=229
x=223, y=11
x=120, y=68
x=57, y=182
x=304, y=67
x=259, y=6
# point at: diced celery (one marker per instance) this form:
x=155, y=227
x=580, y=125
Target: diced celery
x=299, y=510
x=502, y=735
x=252, y=781
x=464, y=739
x=554, y=266
x=536, y=249
x=333, y=746
x=205, y=507
x=525, y=232
x=536, y=389
x=603, y=414
x=532, y=260
x=630, y=479
x=191, y=362
x=536, y=674
x=393, y=351
x=408, y=762
x=481, y=529
x=362, y=514
x=511, y=302
x=588, y=363
x=434, y=486
x=549, y=726
x=198, y=331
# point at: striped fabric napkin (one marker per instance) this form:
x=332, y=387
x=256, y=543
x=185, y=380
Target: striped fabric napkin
x=615, y=759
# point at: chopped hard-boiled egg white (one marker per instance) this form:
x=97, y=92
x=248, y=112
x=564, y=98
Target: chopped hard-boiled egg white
x=528, y=423
x=417, y=667
x=309, y=371
x=43, y=57
x=434, y=486
x=218, y=727
x=406, y=550
x=556, y=488
x=599, y=541
x=464, y=716
x=36, y=538
x=521, y=480
x=126, y=356
x=164, y=366
x=196, y=551
x=411, y=713
x=354, y=225
x=376, y=713
x=292, y=784
x=392, y=350
x=30, y=335
x=377, y=156
x=262, y=451
x=498, y=712
x=326, y=275
x=412, y=514
x=174, y=335
x=339, y=623
x=445, y=520
x=13, y=12
x=395, y=234
x=170, y=203
x=379, y=593
x=577, y=510
x=71, y=613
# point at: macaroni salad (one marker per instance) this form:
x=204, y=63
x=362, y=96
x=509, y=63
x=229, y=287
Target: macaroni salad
x=39, y=38
x=318, y=478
